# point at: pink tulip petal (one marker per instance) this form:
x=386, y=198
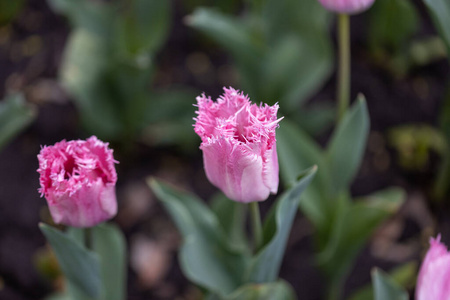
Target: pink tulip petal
x=239, y=145
x=347, y=6
x=434, y=277
x=78, y=180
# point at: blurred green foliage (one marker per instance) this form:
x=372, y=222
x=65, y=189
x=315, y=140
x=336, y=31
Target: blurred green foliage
x=109, y=65
x=9, y=10
x=89, y=272
x=440, y=12
x=393, y=41
x=342, y=225
x=210, y=256
x=385, y=288
x=15, y=115
x=403, y=276
x=281, y=49
x=415, y=143
x=227, y=6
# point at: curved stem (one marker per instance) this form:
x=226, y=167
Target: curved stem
x=343, y=88
x=256, y=225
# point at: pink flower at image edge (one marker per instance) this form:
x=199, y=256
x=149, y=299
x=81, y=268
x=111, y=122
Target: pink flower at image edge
x=433, y=282
x=347, y=6
x=78, y=180
x=239, y=145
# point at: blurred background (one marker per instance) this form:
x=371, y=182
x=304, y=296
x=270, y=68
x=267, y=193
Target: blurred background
x=128, y=71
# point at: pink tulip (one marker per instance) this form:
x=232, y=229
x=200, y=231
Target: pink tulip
x=78, y=180
x=347, y=6
x=239, y=145
x=433, y=282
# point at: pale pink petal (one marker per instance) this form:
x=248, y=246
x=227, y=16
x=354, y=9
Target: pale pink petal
x=239, y=145
x=434, y=277
x=347, y=6
x=235, y=170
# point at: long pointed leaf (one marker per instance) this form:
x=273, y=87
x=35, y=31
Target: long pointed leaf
x=109, y=245
x=205, y=256
x=80, y=266
x=385, y=288
x=297, y=151
x=347, y=145
x=265, y=266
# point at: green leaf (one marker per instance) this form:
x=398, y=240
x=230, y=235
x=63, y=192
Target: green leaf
x=440, y=11
x=236, y=37
x=205, y=257
x=293, y=69
x=352, y=227
x=15, y=115
x=404, y=276
x=228, y=31
x=346, y=148
x=279, y=290
x=232, y=217
x=277, y=226
x=143, y=26
x=83, y=72
x=392, y=23
x=109, y=244
x=9, y=10
x=80, y=266
x=385, y=288
x=297, y=151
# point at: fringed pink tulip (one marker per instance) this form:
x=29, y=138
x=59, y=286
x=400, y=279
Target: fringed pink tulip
x=433, y=282
x=239, y=146
x=78, y=180
x=347, y=6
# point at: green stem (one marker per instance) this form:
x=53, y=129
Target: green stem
x=343, y=88
x=88, y=238
x=256, y=225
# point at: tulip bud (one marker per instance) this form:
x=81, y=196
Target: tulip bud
x=347, y=6
x=78, y=180
x=434, y=276
x=239, y=145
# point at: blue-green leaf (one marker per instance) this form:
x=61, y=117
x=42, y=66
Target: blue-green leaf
x=15, y=115
x=279, y=290
x=142, y=27
x=232, y=217
x=277, y=226
x=109, y=243
x=352, y=227
x=297, y=151
x=80, y=266
x=206, y=257
x=440, y=11
x=385, y=288
x=347, y=145
x=404, y=276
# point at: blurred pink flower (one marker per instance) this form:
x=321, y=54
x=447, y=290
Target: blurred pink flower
x=78, y=180
x=239, y=145
x=433, y=282
x=347, y=6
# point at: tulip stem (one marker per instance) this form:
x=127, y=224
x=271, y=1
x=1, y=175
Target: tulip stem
x=88, y=238
x=343, y=83
x=256, y=225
